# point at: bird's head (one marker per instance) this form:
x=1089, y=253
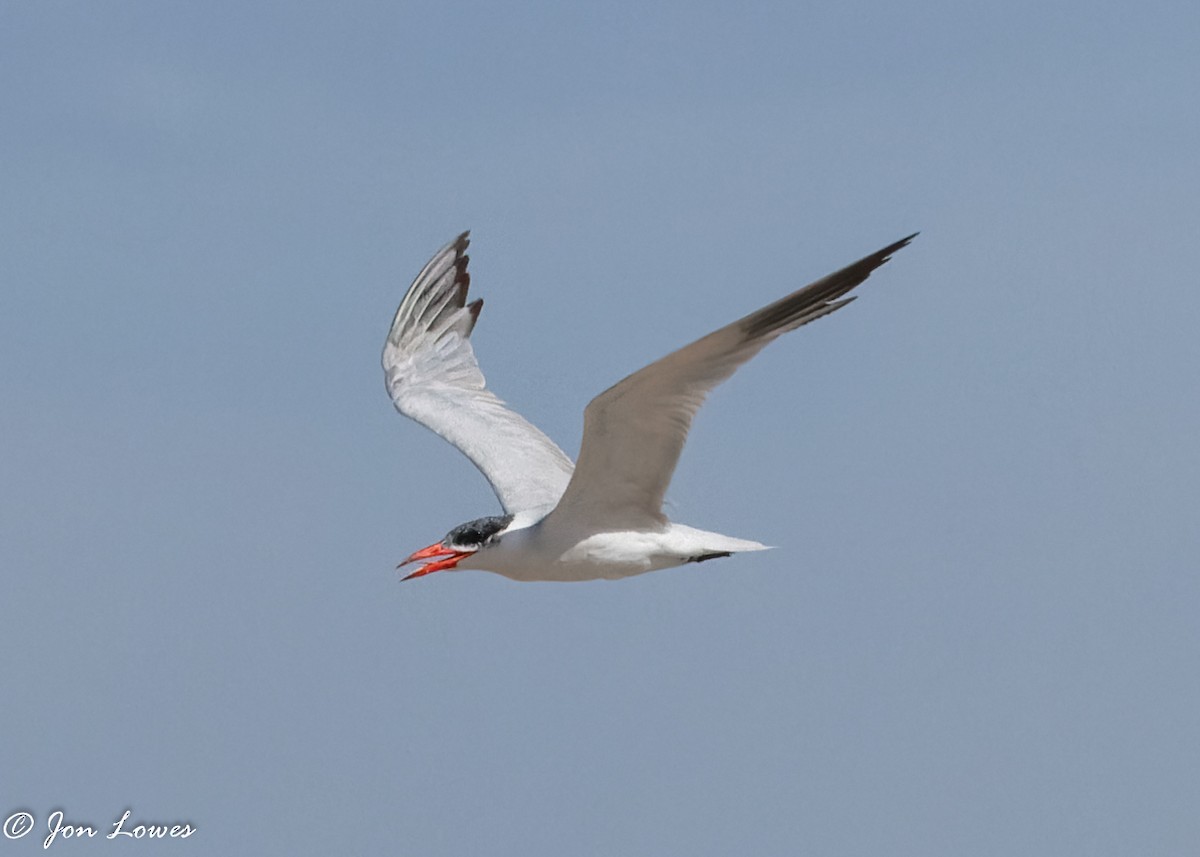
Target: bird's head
x=463, y=541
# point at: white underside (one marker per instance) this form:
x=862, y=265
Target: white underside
x=533, y=554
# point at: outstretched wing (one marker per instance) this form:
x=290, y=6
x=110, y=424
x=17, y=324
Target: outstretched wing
x=634, y=431
x=433, y=377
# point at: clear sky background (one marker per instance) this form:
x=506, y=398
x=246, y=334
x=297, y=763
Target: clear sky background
x=980, y=633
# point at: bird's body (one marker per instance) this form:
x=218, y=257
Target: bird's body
x=600, y=518
x=541, y=552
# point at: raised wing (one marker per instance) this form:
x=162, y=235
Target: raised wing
x=634, y=431
x=433, y=377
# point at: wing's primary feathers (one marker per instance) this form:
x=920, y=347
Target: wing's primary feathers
x=634, y=431
x=433, y=377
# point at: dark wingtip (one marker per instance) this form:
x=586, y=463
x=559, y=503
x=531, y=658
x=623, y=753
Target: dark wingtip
x=886, y=253
x=462, y=278
x=474, y=308
x=819, y=298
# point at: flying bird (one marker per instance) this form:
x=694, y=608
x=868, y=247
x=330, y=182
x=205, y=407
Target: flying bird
x=600, y=517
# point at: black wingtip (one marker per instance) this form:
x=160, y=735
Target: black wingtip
x=819, y=298
x=886, y=252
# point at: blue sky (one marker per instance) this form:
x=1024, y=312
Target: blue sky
x=978, y=633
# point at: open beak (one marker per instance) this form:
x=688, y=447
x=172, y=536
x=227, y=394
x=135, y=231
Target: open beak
x=452, y=558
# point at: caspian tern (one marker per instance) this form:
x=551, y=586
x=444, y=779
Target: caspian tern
x=601, y=517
